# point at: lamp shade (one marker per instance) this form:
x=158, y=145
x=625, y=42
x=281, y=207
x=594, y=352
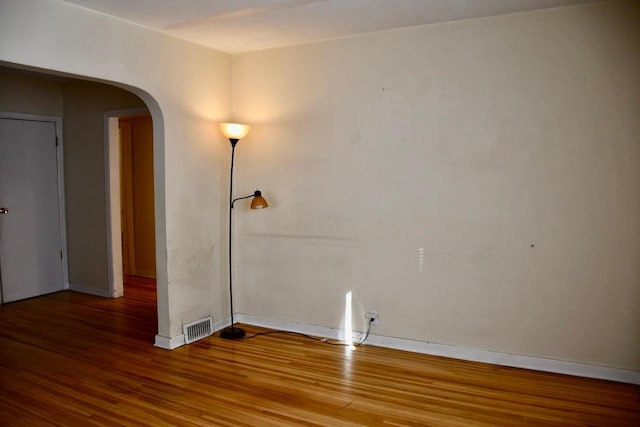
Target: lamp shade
x=258, y=202
x=234, y=130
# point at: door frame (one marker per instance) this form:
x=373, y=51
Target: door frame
x=112, y=191
x=57, y=122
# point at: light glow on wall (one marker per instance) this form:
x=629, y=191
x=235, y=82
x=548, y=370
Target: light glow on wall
x=348, y=328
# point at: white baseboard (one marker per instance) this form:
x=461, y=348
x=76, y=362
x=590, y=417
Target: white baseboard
x=303, y=328
x=169, y=343
x=178, y=341
x=90, y=290
x=221, y=324
x=508, y=359
x=445, y=350
x=455, y=352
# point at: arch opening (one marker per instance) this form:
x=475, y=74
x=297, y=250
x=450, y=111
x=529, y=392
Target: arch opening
x=85, y=106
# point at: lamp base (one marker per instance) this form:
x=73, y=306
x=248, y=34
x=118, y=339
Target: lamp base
x=232, y=333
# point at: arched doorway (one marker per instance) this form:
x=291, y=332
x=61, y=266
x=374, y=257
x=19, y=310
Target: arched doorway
x=81, y=106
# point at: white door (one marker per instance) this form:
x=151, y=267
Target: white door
x=30, y=229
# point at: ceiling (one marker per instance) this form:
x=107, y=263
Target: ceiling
x=237, y=26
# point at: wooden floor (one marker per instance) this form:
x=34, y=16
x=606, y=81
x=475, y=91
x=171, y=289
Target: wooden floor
x=72, y=359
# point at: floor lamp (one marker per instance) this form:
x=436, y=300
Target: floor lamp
x=235, y=132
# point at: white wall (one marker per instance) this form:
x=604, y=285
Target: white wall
x=477, y=182
x=415, y=168
x=188, y=90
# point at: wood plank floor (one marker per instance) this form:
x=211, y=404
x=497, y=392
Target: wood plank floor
x=71, y=359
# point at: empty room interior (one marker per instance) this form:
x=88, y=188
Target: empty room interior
x=432, y=217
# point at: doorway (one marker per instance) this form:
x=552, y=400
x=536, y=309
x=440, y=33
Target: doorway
x=130, y=197
x=136, y=196
x=85, y=108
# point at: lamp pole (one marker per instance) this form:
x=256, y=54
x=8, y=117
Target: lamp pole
x=231, y=332
x=235, y=132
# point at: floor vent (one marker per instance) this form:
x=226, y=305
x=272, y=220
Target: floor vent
x=196, y=330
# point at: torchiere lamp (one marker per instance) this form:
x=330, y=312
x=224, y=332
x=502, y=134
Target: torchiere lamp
x=235, y=132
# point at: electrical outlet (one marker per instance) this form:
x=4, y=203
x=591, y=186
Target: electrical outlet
x=372, y=314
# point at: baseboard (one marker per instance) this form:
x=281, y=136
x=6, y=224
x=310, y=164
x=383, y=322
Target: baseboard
x=145, y=274
x=178, y=341
x=169, y=343
x=455, y=352
x=106, y=293
x=221, y=324
x=508, y=359
x=303, y=328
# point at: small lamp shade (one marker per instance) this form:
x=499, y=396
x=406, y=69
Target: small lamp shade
x=234, y=130
x=258, y=202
